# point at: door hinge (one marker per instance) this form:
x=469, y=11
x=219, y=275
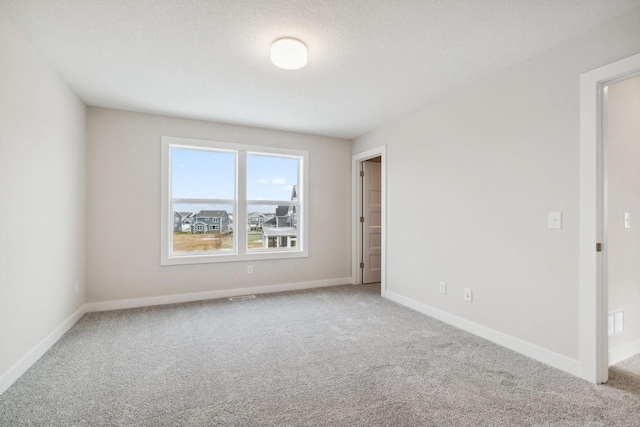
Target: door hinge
x=598, y=247
x=362, y=265
x=361, y=219
x=361, y=173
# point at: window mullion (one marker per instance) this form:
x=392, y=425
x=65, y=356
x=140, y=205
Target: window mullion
x=271, y=202
x=208, y=201
x=240, y=221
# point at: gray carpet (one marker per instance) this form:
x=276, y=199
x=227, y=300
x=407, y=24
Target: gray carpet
x=334, y=356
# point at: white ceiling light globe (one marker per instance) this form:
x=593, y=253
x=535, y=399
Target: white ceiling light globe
x=289, y=53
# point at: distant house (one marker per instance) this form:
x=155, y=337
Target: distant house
x=256, y=219
x=181, y=221
x=293, y=212
x=210, y=222
x=279, y=237
x=279, y=219
x=281, y=231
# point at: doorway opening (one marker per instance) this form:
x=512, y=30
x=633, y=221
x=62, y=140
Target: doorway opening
x=369, y=218
x=621, y=234
x=594, y=310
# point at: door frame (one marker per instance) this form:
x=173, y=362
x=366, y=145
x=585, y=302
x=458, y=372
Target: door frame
x=356, y=207
x=594, y=366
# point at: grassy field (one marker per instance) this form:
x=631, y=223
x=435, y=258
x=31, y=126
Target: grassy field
x=187, y=242
x=254, y=239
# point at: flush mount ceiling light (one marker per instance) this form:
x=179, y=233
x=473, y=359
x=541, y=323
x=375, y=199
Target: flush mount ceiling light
x=289, y=53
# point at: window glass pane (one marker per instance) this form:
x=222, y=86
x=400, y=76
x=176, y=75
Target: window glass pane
x=197, y=174
x=272, y=226
x=199, y=227
x=271, y=178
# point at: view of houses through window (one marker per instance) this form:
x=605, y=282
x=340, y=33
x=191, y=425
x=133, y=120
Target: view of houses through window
x=203, y=201
x=272, y=202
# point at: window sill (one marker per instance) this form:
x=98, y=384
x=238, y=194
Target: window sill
x=231, y=257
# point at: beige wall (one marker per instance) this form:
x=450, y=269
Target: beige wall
x=42, y=194
x=123, y=233
x=471, y=180
x=622, y=142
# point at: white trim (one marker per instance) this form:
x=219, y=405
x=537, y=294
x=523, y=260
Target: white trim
x=241, y=228
x=593, y=288
x=20, y=367
x=356, y=238
x=623, y=352
x=540, y=354
x=223, y=293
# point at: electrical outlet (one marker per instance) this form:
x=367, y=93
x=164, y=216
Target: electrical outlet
x=443, y=288
x=468, y=295
x=250, y=269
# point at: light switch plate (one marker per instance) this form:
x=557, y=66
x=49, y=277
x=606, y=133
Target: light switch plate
x=610, y=323
x=618, y=322
x=555, y=220
x=443, y=287
x=615, y=323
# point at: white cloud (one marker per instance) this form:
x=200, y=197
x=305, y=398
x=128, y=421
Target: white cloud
x=275, y=180
x=287, y=188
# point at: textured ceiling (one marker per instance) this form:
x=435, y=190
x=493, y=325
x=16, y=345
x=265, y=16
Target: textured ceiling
x=370, y=61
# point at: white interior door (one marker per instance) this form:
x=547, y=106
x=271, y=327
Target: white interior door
x=372, y=223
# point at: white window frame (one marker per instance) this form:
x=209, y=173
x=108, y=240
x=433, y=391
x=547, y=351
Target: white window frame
x=240, y=204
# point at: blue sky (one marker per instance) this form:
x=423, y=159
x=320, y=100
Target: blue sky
x=210, y=175
x=270, y=178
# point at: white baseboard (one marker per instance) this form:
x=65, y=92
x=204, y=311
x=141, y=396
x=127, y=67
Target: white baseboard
x=540, y=354
x=623, y=352
x=224, y=293
x=11, y=375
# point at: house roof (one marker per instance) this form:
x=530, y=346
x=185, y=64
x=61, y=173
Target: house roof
x=282, y=210
x=276, y=221
x=211, y=214
x=185, y=214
